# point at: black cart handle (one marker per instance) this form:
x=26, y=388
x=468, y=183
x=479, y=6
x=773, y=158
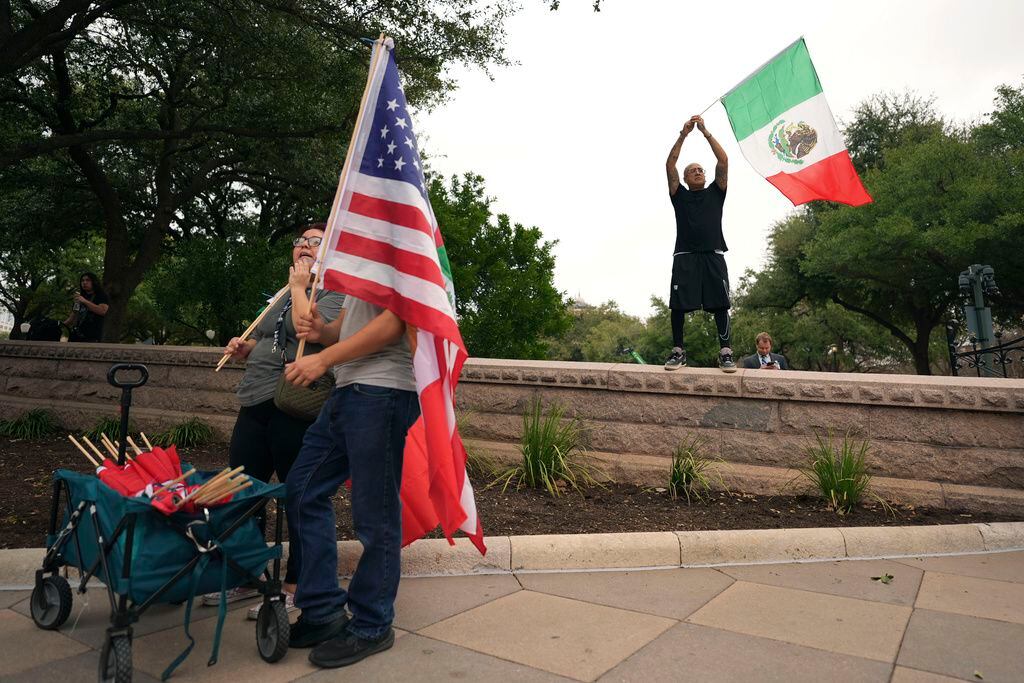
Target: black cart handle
x=120, y=384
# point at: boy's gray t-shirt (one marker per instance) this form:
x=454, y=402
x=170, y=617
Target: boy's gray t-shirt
x=263, y=366
x=390, y=367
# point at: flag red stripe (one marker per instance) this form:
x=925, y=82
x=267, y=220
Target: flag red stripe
x=406, y=261
x=404, y=215
x=445, y=483
x=409, y=310
x=833, y=178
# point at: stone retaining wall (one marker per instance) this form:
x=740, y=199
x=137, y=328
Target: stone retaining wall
x=943, y=429
x=939, y=429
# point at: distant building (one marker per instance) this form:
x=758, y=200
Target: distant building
x=579, y=306
x=6, y=323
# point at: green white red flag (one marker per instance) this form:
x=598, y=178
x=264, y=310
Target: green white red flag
x=786, y=131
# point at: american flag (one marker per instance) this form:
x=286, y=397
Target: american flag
x=383, y=245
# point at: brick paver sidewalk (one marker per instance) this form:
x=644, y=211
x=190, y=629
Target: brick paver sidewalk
x=939, y=619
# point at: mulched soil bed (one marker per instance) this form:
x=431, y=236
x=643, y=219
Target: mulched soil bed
x=26, y=469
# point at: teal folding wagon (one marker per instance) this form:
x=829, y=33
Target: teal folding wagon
x=145, y=557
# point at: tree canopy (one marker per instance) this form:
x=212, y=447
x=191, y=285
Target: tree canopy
x=156, y=110
x=944, y=197
x=503, y=272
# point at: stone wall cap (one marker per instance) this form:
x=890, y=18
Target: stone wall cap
x=648, y=550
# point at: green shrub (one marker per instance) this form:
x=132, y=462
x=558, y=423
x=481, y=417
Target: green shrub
x=841, y=476
x=111, y=426
x=191, y=432
x=691, y=474
x=552, y=450
x=33, y=424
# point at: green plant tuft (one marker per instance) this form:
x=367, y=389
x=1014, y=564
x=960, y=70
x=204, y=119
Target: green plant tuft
x=691, y=474
x=192, y=432
x=841, y=476
x=552, y=449
x=480, y=465
x=33, y=424
x=111, y=426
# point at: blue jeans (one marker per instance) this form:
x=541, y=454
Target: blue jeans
x=360, y=434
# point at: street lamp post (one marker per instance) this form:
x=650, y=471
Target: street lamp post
x=210, y=334
x=977, y=281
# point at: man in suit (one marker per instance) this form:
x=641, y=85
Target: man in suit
x=764, y=359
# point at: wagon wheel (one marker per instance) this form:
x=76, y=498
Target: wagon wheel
x=51, y=602
x=272, y=630
x=116, y=660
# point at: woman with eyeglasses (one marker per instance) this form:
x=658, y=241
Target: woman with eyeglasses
x=265, y=439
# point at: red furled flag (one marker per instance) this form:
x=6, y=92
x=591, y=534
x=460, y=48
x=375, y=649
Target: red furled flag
x=383, y=246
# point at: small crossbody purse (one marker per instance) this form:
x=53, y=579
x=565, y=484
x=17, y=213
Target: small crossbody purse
x=303, y=403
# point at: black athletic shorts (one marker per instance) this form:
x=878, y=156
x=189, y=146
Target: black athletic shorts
x=700, y=280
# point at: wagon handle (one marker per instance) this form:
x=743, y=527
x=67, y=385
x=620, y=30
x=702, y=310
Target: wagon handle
x=126, y=398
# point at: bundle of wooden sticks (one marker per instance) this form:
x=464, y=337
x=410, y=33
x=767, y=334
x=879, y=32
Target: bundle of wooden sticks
x=156, y=472
x=225, y=484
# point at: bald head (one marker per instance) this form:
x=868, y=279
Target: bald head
x=693, y=176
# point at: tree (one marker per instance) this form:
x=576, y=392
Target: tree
x=942, y=202
x=506, y=300
x=597, y=334
x=217, y=284
x=164, y=103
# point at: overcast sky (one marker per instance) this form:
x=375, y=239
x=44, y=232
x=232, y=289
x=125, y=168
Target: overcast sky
x=573, y=139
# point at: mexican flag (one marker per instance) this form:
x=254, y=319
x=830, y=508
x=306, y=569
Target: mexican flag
x=787, y=133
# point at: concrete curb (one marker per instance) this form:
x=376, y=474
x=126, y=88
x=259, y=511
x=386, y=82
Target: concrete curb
x=647, y=550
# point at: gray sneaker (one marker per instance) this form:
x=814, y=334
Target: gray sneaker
x=289, y=605
x=233, y=595
x=725, y=360
x=676, y=360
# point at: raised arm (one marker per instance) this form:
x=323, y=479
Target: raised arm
x=673, y=157
x=721, y=160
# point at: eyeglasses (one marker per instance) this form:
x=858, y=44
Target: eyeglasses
x=303, y=241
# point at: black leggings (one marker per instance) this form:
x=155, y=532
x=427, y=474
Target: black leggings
x=267, y=441
x=721, y=322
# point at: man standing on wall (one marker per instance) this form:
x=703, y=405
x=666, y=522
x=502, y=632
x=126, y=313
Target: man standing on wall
x=700, y=279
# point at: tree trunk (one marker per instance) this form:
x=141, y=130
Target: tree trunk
x=919, y=349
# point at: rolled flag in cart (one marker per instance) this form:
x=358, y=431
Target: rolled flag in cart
x=786, y=131
x=125, y=480
x=160, y=464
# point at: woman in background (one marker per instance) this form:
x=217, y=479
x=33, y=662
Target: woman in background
x=266, y=440
x=88, y=310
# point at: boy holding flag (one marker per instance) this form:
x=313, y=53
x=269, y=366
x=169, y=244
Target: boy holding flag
x=359, y=435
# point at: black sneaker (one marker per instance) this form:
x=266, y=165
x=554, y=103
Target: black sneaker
x=349, y=648
x=725, y=360
x=305, y=634
x=676, y=360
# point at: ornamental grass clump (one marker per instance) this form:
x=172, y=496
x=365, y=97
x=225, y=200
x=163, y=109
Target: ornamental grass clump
x=33, y=424
x=841, y=476
x=552, y=449
x=110, y=426
x=480, y=465
x=692, y=475
x=191, y=432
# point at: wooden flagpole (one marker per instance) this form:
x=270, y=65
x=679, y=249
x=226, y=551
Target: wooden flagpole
x=84, y=452
x=342, y=180
x=257, y=321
